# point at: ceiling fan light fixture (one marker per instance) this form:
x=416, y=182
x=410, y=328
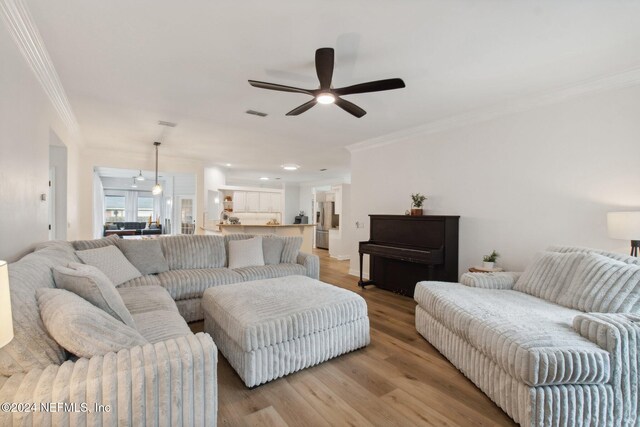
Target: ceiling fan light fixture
x=290, y=167
x=326, y=98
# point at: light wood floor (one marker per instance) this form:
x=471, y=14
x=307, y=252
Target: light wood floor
x=398, y=380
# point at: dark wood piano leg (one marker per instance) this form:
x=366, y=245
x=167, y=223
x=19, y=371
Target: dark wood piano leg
x=362, y=283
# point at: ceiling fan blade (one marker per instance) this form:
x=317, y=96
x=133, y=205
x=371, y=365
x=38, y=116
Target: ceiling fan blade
x=301, y=109
x=281, y=88
x=350, y=107
x=324, y=66
x=377, y=86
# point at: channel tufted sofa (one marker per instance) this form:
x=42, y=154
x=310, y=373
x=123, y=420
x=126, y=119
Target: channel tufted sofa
x=556, y=345
x=200, y=262
x=171, y=380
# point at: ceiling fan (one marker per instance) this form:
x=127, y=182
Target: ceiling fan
x=326, y=94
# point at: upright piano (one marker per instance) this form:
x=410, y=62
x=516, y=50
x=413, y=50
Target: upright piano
x=404, y=250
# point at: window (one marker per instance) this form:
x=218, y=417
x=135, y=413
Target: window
x=145, y=208
x=114, y=209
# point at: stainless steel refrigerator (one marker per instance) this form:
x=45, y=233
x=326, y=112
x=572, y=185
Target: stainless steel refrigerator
x=325, y=220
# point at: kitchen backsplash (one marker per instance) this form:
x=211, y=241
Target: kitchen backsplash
x=256, y=218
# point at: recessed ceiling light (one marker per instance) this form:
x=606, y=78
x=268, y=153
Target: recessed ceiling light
x=264, y=178
x=290, y=167
x=228, y=165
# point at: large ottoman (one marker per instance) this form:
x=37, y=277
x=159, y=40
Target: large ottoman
x=267, y=329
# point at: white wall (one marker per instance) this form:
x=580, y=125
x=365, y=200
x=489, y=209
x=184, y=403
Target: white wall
x=520, y=182
x=58, y=161
x=27, y=120
x=291, y=202
x=214, y=178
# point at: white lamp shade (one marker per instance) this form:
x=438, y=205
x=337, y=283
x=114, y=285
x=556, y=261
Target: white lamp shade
x=6, y=320
x=624, y=225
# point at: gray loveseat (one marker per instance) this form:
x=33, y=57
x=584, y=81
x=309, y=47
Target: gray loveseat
x=556, y=345
x=170, y=381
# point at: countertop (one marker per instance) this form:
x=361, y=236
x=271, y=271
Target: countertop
x=265, y=225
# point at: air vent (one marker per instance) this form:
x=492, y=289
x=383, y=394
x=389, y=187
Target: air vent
x=167, y=124
x=256, y=113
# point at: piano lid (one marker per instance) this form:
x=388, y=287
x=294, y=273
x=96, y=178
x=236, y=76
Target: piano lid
x=425, y=232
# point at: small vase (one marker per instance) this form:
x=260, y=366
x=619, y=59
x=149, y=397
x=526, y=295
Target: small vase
x=416, y=211
x=488, y=265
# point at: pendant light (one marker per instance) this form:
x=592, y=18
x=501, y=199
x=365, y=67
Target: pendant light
x=134, y=185
x=139, y=177
x=157, y=189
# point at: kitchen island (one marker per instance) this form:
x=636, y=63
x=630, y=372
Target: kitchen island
x=304, y=230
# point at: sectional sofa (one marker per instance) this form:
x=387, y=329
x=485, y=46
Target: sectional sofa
x=169, y=379
x=558, y=345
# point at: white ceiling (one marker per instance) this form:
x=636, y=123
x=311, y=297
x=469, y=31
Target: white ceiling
x=127, y=64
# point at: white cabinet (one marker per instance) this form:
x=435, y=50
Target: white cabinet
x=265, y=202
x=253, y=201
x=239, y=201
x=270, y=202
x=257, y=201
x=276, y=202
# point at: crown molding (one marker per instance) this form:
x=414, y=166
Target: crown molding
x=614, y=81
x=27, y=37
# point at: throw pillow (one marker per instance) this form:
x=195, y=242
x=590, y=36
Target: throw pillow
x=83, y=245
x=145, y=255
x=272, y=248
x=82, y=328
x=94, y=286
x=292, y=245
x=549, y=274
x=111, y=262
x=246, y=253
x=602, y=284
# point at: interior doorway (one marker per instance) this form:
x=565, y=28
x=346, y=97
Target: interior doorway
x=125, y=205
x=52, y=203
x=57, y=197
x=187, y=214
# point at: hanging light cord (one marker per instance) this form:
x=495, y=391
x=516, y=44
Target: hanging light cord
x=157, y=144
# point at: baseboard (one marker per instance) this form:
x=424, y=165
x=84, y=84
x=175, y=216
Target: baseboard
x=356, y=272
x=340, y=257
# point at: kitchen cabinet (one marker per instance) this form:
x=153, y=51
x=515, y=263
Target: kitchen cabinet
x=276, y=202
x=330, y=197
x=265, y=202
x=257, y=202
x=239, y=201
x=253, y=201
x=270, y=202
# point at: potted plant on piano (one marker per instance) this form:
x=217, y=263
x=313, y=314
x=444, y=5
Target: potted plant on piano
x=416, y=204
